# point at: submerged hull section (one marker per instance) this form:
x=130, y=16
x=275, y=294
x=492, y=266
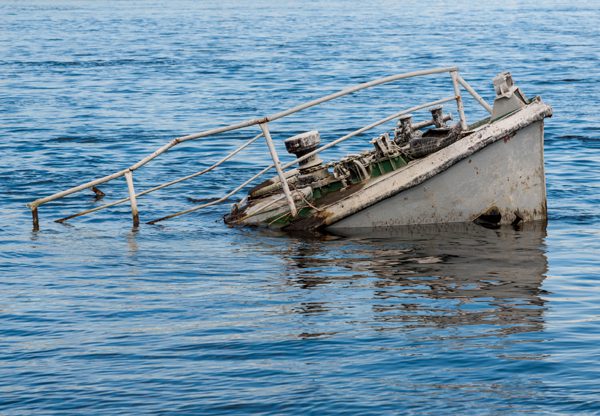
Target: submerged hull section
x=503, y=183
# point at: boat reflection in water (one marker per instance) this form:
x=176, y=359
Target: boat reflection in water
x=435, y=276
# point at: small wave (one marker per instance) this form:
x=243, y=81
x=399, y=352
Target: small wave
x=94, y=63
x=81, y=139
x=572, y=137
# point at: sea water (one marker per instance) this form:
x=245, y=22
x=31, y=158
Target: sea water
x=193, y=317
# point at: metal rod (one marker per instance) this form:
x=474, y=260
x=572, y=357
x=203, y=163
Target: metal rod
x=70, y=191
x=427, y=123
x=134, y=209
x=218, y=201
x=236, y=126
x=164, y=185
x=359, y=87
x=277, y=163
x=471, y=91
x=369, y=127
x=36, y=220
x=459, y=103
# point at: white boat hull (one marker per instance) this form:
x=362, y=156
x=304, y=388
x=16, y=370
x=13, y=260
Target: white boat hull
x=506, y=177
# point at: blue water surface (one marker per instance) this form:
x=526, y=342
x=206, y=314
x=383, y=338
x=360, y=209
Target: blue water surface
x=193, y=317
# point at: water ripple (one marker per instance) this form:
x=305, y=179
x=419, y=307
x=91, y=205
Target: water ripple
x=193, y=317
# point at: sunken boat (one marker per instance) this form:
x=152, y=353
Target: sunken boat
x=429, y=171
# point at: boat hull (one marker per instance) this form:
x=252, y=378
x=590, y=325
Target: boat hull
x=504, y=180
x=493, y=175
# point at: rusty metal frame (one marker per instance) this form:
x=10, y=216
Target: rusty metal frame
x=262, y=123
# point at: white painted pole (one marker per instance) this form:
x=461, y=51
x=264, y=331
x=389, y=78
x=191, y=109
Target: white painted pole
x=359, y=87
x=277, y=163
x=134, y=209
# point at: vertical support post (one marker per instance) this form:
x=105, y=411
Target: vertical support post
x=36, y=220
x=134, y=209
x=277, y=163
x=459, y=103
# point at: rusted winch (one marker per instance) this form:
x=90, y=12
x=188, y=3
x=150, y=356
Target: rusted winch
x=311, y=169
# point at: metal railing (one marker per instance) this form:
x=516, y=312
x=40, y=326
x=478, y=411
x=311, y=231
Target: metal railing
x=263, y=123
